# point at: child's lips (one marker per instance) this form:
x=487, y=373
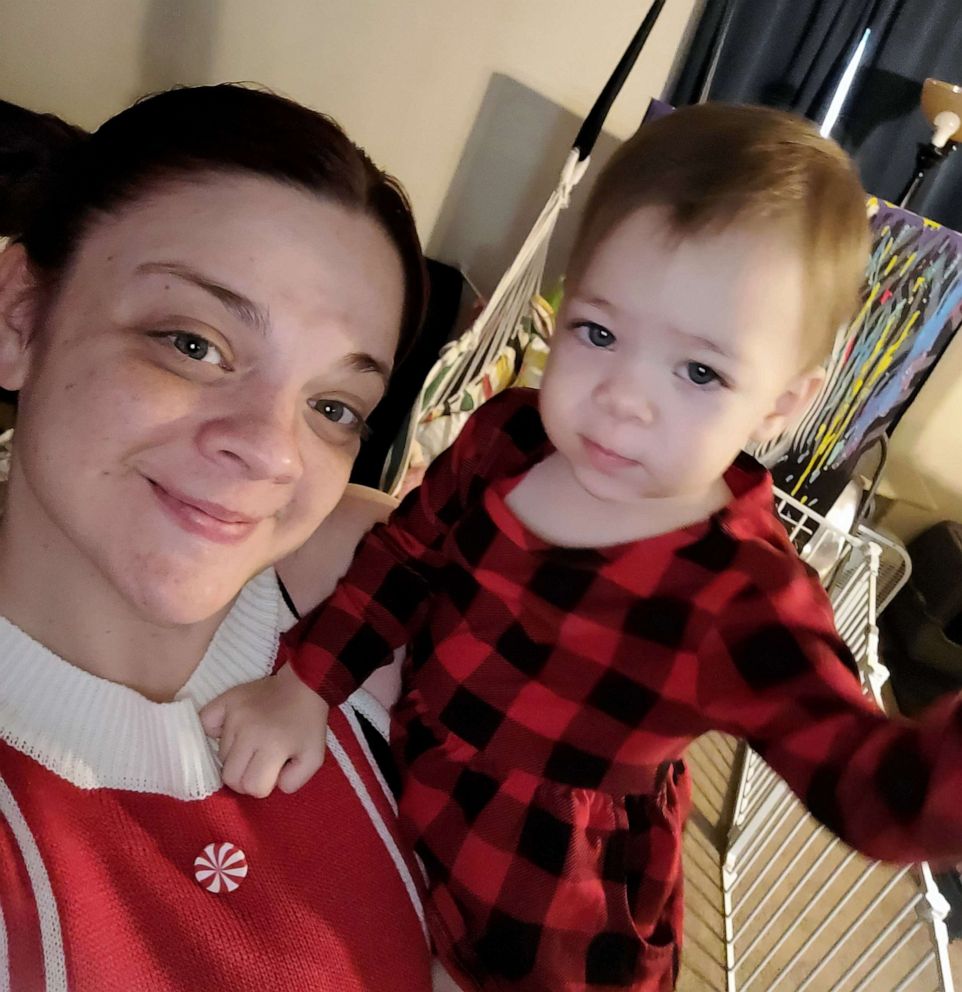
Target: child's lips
x=605, y=459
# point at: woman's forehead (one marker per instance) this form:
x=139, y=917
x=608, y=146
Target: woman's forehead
x=213, y=209
x=251, y=235
x=238, y=251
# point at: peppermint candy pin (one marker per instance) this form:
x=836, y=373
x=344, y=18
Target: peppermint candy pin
x=220, y=867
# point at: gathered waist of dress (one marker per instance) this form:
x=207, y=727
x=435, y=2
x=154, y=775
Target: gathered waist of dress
x=529, y=761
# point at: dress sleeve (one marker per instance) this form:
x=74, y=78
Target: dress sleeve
x=778, y=675
x=383, y=599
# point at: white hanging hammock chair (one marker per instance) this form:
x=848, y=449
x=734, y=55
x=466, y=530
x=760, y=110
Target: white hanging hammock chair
x=491, y=354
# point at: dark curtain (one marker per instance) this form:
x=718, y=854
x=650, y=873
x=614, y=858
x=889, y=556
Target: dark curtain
x=791, y=54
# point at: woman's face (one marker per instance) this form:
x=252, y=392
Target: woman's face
x=192, y=401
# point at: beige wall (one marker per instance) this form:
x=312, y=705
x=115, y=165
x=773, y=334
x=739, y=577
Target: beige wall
x=405, y=77
x=472, y=103
x=925, y=458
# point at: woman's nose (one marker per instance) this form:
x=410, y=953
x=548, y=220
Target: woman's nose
x=258, y=441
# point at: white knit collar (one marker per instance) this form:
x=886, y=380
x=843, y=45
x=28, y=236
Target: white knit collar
x=98, y=734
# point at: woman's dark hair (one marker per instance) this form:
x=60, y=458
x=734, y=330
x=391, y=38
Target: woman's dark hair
x=226, y=128
x=30, y=143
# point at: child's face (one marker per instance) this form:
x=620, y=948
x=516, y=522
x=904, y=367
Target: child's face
x=670, y=356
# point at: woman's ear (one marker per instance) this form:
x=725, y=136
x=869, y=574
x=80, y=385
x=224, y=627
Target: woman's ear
x=791, y=405
x=19, y=306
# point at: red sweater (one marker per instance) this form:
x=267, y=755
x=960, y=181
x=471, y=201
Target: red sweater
x=108, y=880
x=551, y=692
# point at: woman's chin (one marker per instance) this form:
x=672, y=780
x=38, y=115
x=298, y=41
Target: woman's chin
x=171, y=601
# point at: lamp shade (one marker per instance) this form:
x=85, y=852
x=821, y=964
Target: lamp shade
x=939, y=97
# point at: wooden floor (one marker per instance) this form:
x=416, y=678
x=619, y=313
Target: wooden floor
x=711, y=761
x=776, y=948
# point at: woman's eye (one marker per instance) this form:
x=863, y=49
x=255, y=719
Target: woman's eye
x=342, y=415
x=596, y=335
x=196, y=347
x=701, y=375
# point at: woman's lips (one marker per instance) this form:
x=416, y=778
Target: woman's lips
x=203, y=518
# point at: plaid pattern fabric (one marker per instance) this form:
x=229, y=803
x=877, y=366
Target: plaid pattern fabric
x=550, y=694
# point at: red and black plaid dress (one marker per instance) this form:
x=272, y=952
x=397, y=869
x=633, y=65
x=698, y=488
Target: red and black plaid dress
x=550, y=694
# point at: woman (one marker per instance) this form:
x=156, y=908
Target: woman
x=198, y=319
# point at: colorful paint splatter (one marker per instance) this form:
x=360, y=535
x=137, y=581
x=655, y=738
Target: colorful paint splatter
x=911, y=309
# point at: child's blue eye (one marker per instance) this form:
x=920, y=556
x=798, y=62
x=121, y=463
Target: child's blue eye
x=596, y=335
x=701, y=375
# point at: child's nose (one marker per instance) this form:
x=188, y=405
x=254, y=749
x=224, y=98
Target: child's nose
x=625, y=397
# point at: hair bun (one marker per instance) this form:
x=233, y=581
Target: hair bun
x=32, y=146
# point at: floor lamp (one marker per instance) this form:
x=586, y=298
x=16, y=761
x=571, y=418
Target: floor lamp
x=942, y=106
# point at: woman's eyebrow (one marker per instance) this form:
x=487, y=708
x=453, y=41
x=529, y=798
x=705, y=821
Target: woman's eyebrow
x=361, y=361
x=249, y=312
x=239, y=305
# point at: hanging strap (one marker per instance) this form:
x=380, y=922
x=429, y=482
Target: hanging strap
x=593, y=123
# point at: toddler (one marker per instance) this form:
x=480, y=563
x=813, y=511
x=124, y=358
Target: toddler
x=592, y=576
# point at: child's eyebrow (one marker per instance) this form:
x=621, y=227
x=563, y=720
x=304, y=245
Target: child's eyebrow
x=696, y=339
x=706, y=343
x=595, y=301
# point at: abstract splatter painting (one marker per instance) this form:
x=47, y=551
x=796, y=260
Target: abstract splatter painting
x=911, y=308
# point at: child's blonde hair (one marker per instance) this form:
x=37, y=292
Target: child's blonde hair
x=715, y=165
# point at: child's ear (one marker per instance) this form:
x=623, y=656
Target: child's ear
x=19, y=305
x=790, y=405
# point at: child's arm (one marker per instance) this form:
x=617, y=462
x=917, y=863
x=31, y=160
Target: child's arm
x=271, y=731
x=266, y=727
x=311, y=573
x=383, y=600
x=775, y=676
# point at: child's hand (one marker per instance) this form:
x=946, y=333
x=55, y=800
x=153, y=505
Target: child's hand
x=271, y=733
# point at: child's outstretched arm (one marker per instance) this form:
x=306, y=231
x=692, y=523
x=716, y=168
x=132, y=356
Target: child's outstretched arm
x=774, y=675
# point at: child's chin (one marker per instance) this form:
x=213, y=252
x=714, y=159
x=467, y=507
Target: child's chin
x=612, y=488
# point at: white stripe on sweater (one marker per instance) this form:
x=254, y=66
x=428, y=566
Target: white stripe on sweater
x=4, y=955
x=350, y=710
x=51, y=938
x=335, y=748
